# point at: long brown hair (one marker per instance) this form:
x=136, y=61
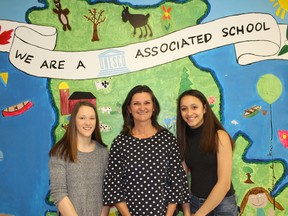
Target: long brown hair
x=127, y=117
x=66, y=147
x=210, y=126
x=255, y=191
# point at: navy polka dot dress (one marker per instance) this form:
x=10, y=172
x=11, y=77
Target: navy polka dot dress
x=147, y=174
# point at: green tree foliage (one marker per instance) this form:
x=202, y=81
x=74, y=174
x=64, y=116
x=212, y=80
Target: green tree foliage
x=185, y=82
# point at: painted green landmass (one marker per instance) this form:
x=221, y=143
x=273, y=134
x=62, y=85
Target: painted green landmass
x=113, y=32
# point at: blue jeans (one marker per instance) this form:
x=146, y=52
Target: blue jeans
x=228, y=206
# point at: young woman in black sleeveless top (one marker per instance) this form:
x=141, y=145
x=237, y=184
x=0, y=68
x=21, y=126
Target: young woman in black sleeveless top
x=206, y=150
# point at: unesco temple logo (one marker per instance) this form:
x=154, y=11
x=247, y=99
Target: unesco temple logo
x=112, y=62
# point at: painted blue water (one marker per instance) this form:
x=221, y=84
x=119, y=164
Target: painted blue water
x=24, y=169
x=16, y=10
x=23, y=191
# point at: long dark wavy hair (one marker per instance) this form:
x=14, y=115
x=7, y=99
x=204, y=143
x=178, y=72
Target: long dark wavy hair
x=128, y=118
x=66, y=147
x=209, y=136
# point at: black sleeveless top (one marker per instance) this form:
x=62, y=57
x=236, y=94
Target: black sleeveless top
x=203, y=166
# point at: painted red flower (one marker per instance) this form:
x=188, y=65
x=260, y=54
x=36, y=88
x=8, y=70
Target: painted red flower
x=211, y=100
x=166, y=12
x=283, y=137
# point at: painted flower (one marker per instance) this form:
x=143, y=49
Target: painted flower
x=167, y=121
x=174, y=119
x=166, y=12
x=283, y=137
x=211, y=101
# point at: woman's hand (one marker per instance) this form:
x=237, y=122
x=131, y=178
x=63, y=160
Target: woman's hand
x=123, y=208
x=170, y=209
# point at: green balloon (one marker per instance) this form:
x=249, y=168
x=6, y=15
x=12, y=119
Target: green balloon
x=269, y=88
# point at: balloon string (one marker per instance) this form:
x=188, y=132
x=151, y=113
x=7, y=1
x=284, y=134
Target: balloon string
x=271, y=151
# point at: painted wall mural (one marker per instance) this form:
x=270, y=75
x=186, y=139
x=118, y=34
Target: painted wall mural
x=55, y=52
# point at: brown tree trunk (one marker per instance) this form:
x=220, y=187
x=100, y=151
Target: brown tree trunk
x=95, y=33
x=248, y=180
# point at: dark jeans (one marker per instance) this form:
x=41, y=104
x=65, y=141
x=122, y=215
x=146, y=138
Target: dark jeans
x=228, y=206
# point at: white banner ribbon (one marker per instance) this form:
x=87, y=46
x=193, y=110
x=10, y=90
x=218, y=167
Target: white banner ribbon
x=256, y=37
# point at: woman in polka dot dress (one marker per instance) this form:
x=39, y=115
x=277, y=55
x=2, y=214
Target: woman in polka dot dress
x=145, y=175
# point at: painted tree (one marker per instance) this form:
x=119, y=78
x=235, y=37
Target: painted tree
x=185, y=82
x=248, y=170
x=96, y=18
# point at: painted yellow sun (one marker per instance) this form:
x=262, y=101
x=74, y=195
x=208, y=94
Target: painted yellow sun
x=282, y=7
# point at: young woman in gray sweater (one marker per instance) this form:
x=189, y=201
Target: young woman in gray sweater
x=77, y=165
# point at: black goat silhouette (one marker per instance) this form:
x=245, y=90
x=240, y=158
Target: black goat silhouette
x=137, y=21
